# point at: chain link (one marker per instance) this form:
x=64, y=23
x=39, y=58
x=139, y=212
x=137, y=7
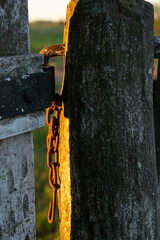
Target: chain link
x=52, y=149
x=53, y=134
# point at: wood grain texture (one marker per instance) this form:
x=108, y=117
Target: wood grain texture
x=17, y=194
x=17, y=198
x=18, y=65
x=14, y=25
x=107, y=97
x=64, y=193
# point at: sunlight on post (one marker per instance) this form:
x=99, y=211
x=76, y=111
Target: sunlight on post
x=64, y=194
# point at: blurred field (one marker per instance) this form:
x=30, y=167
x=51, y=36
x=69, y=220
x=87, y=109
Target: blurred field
x=43, y=34
x=157, y=19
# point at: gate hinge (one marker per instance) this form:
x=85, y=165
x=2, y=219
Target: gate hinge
x=27, y=93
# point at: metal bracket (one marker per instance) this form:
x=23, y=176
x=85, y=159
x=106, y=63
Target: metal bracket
x=26, y=93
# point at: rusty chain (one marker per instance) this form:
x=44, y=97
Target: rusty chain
x=53, y=133
x=52, y=149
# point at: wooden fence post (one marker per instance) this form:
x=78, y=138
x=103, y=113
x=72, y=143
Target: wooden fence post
x=107, y=152
x=17, y=193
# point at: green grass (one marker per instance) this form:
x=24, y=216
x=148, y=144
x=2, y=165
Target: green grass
x=43, y=34
x=43, y=191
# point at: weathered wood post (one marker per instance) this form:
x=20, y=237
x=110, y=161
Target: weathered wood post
x=17, y=194
x=107, y=151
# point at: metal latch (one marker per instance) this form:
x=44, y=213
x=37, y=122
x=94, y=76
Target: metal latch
x=48, y=52
x=26, y=93
x=30, y=92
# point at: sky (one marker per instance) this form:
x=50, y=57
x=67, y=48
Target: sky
x=53, y=10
